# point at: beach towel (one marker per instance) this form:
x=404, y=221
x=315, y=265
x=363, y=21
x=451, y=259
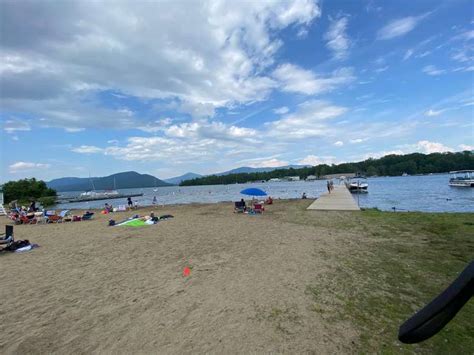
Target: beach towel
x=136, y=222
x=27, y=248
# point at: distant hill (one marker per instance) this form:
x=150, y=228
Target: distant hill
x=242, y=170
x=125, y=180
x=247, y=169
x=178, y=179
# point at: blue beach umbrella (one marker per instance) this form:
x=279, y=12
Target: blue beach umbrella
x=253, y=192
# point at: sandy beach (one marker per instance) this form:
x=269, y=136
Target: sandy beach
x=91, y=288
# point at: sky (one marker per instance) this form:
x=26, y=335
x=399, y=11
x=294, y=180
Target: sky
x=94, y=88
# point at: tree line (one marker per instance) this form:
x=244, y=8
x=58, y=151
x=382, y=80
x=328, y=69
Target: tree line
x=389, y=165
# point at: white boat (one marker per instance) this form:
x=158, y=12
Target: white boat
x=97, y=195
x=94, y=195
x=358, y=184
x=462, y=178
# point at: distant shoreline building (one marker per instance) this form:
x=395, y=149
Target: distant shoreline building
x=337, y=176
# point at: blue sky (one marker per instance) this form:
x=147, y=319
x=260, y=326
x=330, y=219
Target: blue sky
x=170, y=87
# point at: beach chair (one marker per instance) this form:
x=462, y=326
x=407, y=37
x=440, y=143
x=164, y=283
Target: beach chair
x=53, y=218
x=7, y=238
x=25, y=220
x=258, y=208
x=87, y=216
x=64, y=214
x=40, y=218
x=239, y=207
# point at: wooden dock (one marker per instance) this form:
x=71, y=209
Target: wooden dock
x=340, y=199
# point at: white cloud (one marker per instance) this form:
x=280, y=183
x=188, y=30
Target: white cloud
x=55, y=71
x=296, y=79
x=339, y=143
x=315, y=160
x=408, y=54
x=399, y=27
x=382, y=69
x=431, y=113
x=465, y=36
x=357, y=140
x=433, y=70
x=201, y=140
x=337, y=40
x=428, y=147
x=14, y=125
x=309, y=120
x=281, y=110
x=376, y=155
x=74, y=130
x=466, y=147
x=22, y=166
x=270, y=163
x=87, y=149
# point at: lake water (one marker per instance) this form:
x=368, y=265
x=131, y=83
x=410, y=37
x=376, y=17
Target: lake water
x=430, y=193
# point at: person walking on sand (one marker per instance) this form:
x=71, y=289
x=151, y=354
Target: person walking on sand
x=329, y=186
x=129, y=202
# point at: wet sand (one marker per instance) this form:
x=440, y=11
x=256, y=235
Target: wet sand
x=91, y=288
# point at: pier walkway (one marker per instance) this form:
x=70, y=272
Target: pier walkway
x=340, y=199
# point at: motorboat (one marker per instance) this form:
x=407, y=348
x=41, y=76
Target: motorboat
x=462, y=178
x=358, y=184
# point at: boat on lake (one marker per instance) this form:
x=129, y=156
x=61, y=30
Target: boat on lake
x=94, y=195
x=462, y=178
x=106, y=195
x=358, y=184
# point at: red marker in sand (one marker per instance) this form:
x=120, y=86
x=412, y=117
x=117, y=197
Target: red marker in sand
x=186, y=271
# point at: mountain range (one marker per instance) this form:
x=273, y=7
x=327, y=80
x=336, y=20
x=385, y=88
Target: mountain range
x=125, y=180
x=244, y=169
x=132, y=179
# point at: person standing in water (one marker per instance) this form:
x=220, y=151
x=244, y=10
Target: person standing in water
x=329, y=186
x=129, y=202
x=154, y=200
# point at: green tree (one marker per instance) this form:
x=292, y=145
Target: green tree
x=25, y=190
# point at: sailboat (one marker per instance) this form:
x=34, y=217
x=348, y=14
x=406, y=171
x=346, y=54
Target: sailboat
x=93, y=195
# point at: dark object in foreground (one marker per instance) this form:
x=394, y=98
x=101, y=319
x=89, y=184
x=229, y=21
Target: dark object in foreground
x=439, y=312
x=7, y=238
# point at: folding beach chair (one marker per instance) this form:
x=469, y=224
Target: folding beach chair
x=63, y=216
x=87, y=216
x=258, y=208
x=7, y=238
x=239, y=207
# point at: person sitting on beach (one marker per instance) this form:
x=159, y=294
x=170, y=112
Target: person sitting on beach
x=32, y=207
x=269, y=201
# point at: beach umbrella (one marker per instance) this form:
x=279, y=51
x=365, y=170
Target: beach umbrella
x=253, y=192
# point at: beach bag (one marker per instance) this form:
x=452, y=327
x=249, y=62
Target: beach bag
x=111, y=223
